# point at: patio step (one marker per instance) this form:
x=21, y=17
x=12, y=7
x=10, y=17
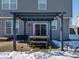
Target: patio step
x=38, y=42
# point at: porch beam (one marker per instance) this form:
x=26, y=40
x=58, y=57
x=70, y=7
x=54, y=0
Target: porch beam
x=61, y=32
x=14, y=32
x=50, y=33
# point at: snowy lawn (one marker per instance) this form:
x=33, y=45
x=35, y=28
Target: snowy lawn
x=39, y=55
x=70, y=44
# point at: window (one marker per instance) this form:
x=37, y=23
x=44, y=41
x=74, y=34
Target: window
x=17, y=27
x=40, y=29
x=13, y=4
x=9, y=4
x=9, y=27
x=42, y=4
x=5, y=4
x=54, y=24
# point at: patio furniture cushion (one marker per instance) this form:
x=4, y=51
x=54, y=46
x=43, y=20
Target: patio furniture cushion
x=3, y=38
x=22, y=38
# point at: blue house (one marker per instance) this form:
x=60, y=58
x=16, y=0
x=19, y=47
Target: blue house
x=36, y=18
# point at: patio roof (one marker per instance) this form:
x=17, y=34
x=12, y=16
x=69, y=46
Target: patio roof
x=36, y=16
x=36, y=13
x=28, y=15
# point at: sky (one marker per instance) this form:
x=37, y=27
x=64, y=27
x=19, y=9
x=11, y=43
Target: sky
x=75, y=11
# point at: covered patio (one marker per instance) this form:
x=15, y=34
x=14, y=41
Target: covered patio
x=37, y=16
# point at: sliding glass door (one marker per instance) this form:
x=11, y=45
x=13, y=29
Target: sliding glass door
x=40, y=29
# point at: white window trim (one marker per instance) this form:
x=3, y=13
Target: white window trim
x=45, y=6
x=11, y=27
x=40, y=24
x=18, y=27
x=4, y=8
x=56, y=25
x=16, y=5
x=2, y=4
x=9, y=6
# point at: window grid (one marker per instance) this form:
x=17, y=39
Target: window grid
x=9, y=4
x=54, y=25
x=40, y=24
x=10, y=27
x=42, y=4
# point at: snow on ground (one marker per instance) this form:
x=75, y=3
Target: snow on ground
x=39, y=55
x=71, y=43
